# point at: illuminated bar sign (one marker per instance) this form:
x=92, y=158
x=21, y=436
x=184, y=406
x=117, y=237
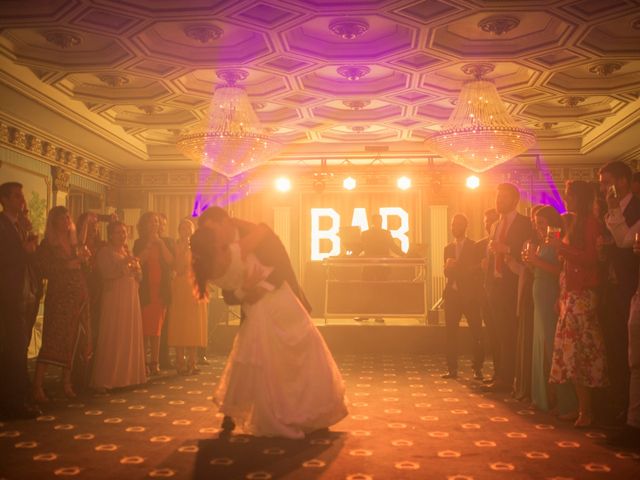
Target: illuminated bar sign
x=330, y=233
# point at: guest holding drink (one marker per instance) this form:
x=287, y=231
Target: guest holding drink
x=66, y=304
x=155, y=289
x=579, y=352
x=119, y=359
x=187, y=328
x=546, y=290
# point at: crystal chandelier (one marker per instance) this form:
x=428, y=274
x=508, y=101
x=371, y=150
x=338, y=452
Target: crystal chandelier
x=480, y=133
x=231, y=139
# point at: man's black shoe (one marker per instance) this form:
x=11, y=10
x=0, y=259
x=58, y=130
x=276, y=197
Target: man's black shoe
x=203, y=361
x=477, y=375
x=228, y=424
x=628, y=437
x=449, y=375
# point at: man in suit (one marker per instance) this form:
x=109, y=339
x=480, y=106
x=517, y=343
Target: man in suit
x=507, y=238
x=16, y=304
x=490, y=217
x=623, y=213
x=271, y=252
x=462, y=296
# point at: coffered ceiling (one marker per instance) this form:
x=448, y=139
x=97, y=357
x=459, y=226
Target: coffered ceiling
x=357, y=80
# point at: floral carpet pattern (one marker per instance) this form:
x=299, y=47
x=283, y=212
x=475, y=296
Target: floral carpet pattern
x=405, y=422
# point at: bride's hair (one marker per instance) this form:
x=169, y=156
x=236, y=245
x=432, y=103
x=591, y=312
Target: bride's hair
x=202, y=259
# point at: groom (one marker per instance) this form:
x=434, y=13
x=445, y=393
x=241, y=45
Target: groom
x=270, y=252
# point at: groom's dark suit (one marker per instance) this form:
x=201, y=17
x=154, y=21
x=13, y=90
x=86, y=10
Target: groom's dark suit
x=270, y=252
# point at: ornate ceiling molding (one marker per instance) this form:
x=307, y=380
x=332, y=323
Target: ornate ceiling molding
x=113, y=80
x=203, y=33
x=353, y=72
x=571, y=101
x=356, y=104
x=349, y=29
x=498, y=24
x=62, y=38
x=604, y=69
x=49, y=152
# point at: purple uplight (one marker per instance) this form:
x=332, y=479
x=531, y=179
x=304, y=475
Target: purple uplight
x=221, y=195
x=548, y=196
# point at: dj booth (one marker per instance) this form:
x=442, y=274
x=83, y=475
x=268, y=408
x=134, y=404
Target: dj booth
x=368, y=287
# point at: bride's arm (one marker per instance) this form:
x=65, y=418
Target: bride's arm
x=254, y=238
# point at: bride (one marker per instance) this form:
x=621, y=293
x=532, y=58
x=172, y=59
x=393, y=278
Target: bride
x=280, y=378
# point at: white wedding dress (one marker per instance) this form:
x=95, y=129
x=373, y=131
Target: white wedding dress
x=280, y=379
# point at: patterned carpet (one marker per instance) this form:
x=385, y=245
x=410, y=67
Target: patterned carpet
x=405, y=423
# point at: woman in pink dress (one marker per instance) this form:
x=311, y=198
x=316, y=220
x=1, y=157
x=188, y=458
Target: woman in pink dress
x=119, y=358
x=155, y=289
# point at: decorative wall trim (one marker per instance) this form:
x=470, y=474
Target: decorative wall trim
x=48, y=151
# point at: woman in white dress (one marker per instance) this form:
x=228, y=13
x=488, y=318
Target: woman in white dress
x=119, y=358
x=280, y=378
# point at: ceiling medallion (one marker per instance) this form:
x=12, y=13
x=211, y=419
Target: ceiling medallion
x=480, y=133
x=498, y=24
x=359, y=128
x=356, y=104
x=549, y=125
x=348, y=28
x=62, y=38
x=571, y=101
x=149, y=109
x=604, y=69
x=258, y=105
x=203, y=33
x=113, y=80
x=353, y=72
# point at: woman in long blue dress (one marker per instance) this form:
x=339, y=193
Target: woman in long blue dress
x=546, y=288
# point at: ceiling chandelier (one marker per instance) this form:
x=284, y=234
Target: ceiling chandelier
x=480, y=133
x=231, y=139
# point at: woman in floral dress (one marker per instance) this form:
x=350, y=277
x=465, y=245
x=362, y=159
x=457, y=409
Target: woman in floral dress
x=579, y=351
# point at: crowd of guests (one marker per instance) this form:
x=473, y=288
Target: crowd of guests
x=558, y=293
x=104, y=306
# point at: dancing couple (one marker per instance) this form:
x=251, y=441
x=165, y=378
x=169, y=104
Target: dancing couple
x=280, y=378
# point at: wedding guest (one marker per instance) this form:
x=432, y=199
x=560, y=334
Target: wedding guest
x=17, y=300
x=546, y=290
x=164, y=358
x=578, y=352
x=66, y=303
x=615, y=184
x=507, y=238
x=187, y=315
x=119, y=358
x=490, y=217
x=155, y=287
x=462, y=296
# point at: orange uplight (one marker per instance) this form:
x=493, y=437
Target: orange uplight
x=404, y=183
x=349, y=183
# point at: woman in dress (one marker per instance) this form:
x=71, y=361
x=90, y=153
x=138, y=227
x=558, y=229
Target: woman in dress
x=578, y=350
x=119, y=358
x=546, y=289
x=187, y=328
x=280, y=378
x=66, y=304
x=155, y=288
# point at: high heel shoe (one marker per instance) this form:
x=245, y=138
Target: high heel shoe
x=583, y=421
x=154, y=371
x=39, y=396
x=68, y=391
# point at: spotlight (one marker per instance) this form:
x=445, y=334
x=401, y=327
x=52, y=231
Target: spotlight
x=404, y=183
x=283, y=184
x=349, y=183
x=472, y=182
